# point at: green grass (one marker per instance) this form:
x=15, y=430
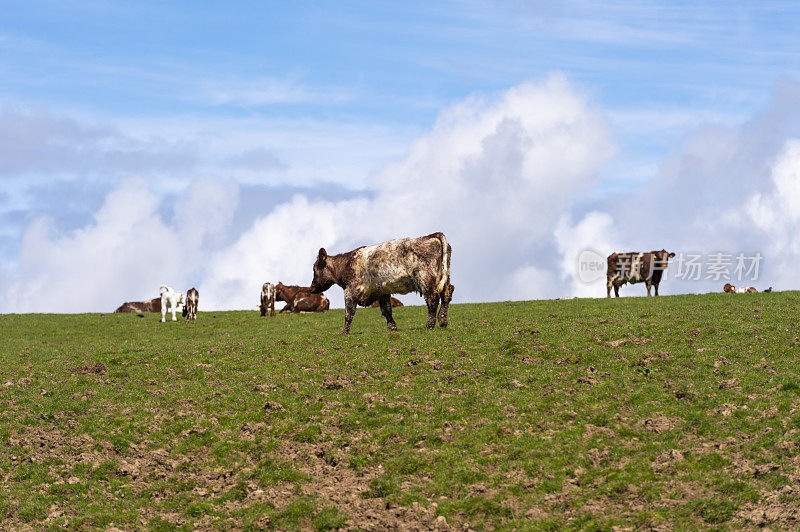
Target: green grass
x=520, y=415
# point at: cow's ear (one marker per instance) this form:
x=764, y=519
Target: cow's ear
x=323, y=255
x=672, y=255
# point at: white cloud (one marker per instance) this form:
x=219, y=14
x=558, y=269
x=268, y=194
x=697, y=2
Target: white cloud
x=493, y=174
x=125, y=254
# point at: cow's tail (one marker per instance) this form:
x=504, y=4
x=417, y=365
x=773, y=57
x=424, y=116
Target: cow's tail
x=163, y=288
x=444, y=272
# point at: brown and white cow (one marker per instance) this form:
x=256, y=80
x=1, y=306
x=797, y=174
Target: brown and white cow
x=267, y=299
x=374, y=273
x=395, y=303
x=300, y=299
x=190, y=308
x=140, y=307
x=636, y=267
x=730, y=289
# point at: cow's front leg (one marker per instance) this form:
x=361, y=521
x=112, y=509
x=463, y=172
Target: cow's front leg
x=649, y=286
x=349, y=311
x=173, y=314
x=272, y=307
x=656, y=287
x=609, y=284
x=386, y=309
x=163, y=312
x=616, y=290
x=433, y=303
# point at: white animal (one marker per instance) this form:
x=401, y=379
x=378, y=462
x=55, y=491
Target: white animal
x=171, y=298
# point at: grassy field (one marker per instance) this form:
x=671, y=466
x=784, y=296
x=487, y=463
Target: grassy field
x=674, y=412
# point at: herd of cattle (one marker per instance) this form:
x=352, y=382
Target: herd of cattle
x=369, y=275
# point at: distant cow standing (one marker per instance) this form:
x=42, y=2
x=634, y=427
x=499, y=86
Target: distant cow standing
x=374, y=273
x=267, y=299
x=300, y=299
x=170, y=300
x=635, y=268
x=140, y=307
x=190, y=308
x=395, y=303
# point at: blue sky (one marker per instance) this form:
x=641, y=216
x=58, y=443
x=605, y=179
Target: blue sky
x=320, y=98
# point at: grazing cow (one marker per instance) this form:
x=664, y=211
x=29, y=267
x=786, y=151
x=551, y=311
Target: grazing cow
x=190, y=308
x=138, y=307
x=267, y=299
x=300, y=299
x=395, y=303
x=636, y=268
x=170, y=300
x=729, y=288
x=374, y=273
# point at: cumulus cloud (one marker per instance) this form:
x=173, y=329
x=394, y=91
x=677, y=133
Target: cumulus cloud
x=493, y=174
x=512, y=179
x=126, y=253
x=728, y=189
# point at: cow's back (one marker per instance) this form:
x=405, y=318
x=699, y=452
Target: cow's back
x=398, y=266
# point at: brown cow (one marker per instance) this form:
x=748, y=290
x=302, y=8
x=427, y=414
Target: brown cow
x=139, y=307
x=300, y=299
x=636, y=267
x=374, y=273
x=190, y=308
x=395, y=303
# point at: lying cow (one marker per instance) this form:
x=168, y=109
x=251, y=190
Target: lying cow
x=635, y=268
x=140, y=307
x=374, y=273
x=190, y=308
x=267, y=299
x=300, y=299
x=395, y=303
x=730, y=289
x=170, y=300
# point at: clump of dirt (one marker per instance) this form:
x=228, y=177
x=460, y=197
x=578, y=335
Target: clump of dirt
x=87, y=369
x=329, y=382
x=728, y=384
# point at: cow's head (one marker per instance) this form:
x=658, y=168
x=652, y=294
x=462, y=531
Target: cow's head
x=279, y=292
x=662, y=258
x=323, y=274
x=729, y=288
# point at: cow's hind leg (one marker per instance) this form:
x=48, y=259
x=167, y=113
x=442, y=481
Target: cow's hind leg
x=609, y=284
x=649, y=285
x=616, y=290
x=446, y=296
x=272, y=307
x=349, y=312
x=656, y=287
x=386, y=309
x=433, y=304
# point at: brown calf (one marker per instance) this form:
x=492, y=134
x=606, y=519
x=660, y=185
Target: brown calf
x=300, y=299
x=267, y=299
x=139, y=307
x=395, y=303
x=190, y=307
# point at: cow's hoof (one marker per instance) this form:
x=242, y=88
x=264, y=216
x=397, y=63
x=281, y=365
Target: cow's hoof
x=163, y=320
x=391, y=327
x=430, y=325
x=443, y=323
